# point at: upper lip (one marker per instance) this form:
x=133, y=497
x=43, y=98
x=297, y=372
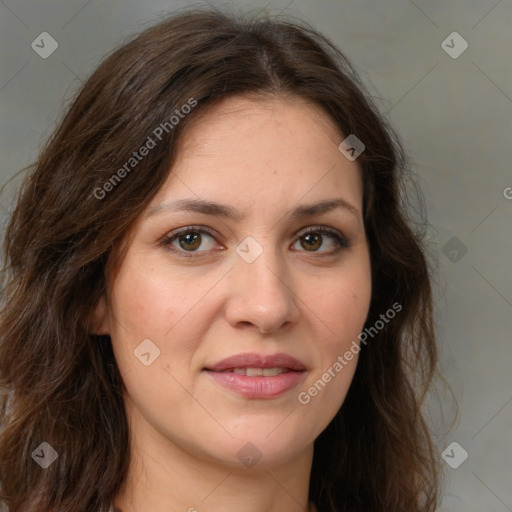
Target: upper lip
x=251, y=360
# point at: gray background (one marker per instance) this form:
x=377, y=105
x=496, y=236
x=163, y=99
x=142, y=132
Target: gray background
x=454, y=116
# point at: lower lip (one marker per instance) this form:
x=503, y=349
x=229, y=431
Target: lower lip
x=260, y=386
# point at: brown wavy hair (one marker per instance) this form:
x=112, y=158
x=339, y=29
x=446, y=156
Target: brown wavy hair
x=61, y=385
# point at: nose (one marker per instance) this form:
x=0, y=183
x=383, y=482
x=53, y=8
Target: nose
x=261, y=296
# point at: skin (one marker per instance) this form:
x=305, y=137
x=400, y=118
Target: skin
x=264, y=158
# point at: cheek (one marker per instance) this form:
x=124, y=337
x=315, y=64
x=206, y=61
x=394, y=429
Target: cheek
x=171, y=310
x=340, y=311
x=343, y=303
x=148, y=301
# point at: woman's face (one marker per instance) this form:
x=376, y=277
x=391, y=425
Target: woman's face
x=243, y=285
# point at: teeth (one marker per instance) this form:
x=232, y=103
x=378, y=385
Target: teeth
x=253, y=372
x=272, y=372
x=257, y=372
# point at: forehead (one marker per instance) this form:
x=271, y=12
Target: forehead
x=247, y=120
x=244, y=149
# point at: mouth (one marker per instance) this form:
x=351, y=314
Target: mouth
x=257, y=372
x=258, y=376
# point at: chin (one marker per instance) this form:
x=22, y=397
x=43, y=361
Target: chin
x=261, y=446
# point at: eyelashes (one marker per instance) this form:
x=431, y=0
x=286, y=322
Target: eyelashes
x=185, y=241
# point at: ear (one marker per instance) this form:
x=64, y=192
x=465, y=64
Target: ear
x=99, y=318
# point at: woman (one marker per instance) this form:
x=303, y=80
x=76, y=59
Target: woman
x=212, y=296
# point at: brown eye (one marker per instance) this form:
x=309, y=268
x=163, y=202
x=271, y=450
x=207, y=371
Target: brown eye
x=311, y=241
x=189, y=240
x=330, y=240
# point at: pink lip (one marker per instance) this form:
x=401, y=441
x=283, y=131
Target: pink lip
x=251, y=360
x=258, y=386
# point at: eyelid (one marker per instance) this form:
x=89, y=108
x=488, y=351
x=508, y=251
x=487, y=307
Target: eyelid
x=340, y=238
x=342, y=241
x=323, y=229
x=166, y=240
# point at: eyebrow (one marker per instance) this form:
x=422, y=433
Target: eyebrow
x=221, y=210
